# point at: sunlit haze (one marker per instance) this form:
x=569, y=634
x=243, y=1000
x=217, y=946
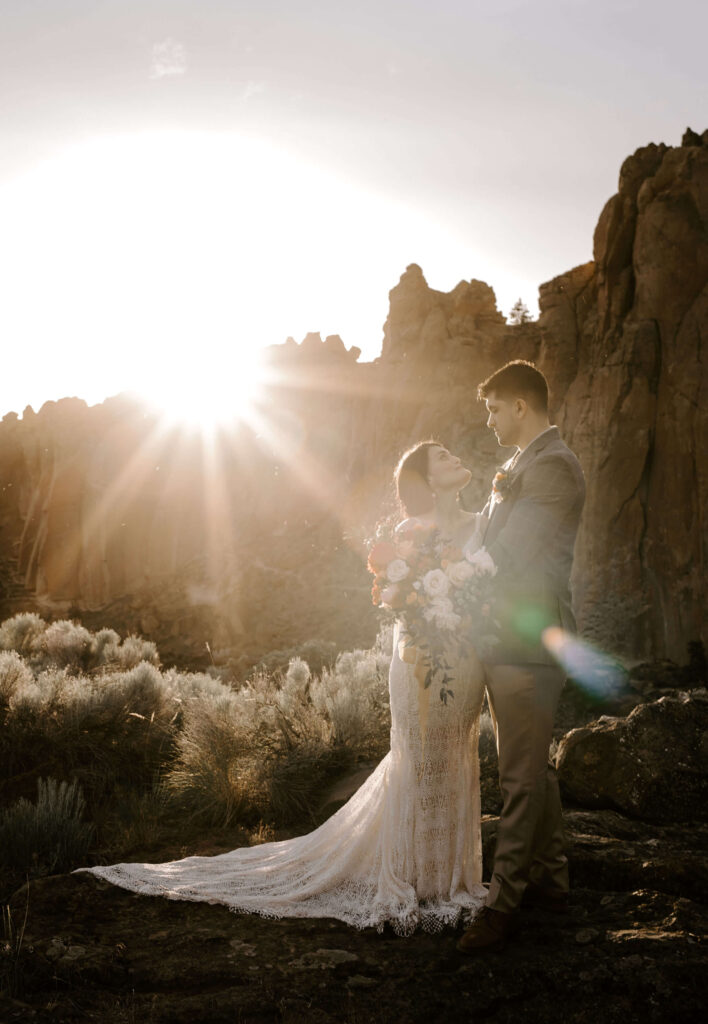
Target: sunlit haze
x=206, y=403
x=182, y=184
x=167, y=259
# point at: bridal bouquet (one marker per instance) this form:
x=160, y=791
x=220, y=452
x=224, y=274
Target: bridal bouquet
x=442, y=596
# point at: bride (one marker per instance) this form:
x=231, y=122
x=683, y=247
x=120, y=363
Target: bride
x=406, y=848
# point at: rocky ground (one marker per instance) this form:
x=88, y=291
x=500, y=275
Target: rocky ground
x=631, y=948
x=625, y=952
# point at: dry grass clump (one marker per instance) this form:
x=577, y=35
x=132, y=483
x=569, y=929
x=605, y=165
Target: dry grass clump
x=263, y=751
x=149, y=746
x=267, y=749
x=218, y=770
x=47, y=836
x=136, y=818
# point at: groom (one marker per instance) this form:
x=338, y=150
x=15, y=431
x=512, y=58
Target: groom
x=533, y=515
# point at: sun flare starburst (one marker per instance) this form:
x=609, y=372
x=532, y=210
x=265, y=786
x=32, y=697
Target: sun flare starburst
x=207, y=399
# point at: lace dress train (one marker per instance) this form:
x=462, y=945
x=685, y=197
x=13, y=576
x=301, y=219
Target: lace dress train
x=405, y=849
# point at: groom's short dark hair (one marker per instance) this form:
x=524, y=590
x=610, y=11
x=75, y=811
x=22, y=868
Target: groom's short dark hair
x=517, y=379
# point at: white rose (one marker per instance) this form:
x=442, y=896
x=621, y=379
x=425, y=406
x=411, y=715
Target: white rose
x=442, y=614
x=436, y=583
x=482, y=563
x=397, y=570
x=459, y=572
x=450, y=622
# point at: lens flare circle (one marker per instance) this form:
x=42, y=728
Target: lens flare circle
x=599, y=675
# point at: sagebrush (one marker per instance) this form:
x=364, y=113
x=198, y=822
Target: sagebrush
x=141, y=744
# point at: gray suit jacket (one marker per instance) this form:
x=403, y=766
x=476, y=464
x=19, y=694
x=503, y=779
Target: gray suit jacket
x=531, y=535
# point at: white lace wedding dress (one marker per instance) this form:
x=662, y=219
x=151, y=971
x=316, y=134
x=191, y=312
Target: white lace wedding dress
x=405, y=849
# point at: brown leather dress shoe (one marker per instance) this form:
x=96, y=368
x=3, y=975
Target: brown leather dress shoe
x=539, y=897
x=488, y=931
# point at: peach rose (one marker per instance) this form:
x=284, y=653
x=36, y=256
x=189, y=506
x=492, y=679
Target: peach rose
x=380, y=555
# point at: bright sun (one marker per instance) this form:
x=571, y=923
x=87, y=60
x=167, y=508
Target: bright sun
x=208, y=403
x=160, y=263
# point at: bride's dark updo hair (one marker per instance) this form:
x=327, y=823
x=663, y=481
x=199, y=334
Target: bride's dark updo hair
x=411, y=478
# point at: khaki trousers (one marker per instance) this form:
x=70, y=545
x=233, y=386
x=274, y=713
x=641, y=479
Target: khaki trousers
x=530, y=842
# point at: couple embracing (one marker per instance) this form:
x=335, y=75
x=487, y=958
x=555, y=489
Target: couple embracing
x=405, y=850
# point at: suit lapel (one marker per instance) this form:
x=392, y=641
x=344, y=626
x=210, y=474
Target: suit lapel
x=527, y=456
x=518, y=463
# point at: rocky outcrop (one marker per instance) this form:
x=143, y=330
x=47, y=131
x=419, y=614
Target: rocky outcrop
x=622, y=346
x=428, y=325
x=650, y=765
x=257, y=544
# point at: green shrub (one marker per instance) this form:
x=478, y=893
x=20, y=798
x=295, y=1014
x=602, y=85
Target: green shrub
x=303, y=750
x=183, y=685
x=117, y=728
x=104, y=646
x=287, y=701
x=47, y=836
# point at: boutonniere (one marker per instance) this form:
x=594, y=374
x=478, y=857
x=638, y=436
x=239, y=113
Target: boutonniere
x=501, y=484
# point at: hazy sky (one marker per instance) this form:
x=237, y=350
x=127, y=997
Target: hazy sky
x=182, y=181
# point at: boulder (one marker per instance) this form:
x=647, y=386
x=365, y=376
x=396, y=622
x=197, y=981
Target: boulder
x=651, y=765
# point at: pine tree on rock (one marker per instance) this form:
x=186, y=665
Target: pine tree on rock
x=520, y=313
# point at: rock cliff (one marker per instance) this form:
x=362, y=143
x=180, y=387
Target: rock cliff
x=256, y=543
x=623, y=344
